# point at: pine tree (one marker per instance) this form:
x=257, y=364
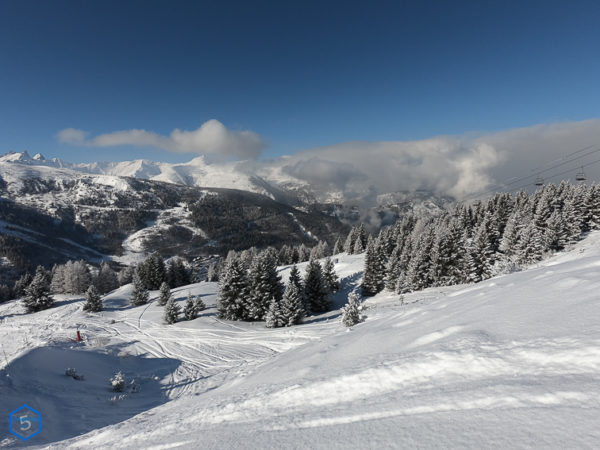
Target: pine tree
x=337, y=247
x=554, y=236
x=213, y=273
x=274, y=318
x=571, y=222
x=350, y=311
x=37, y=295
x=125, y=276
x=106, y=280
x=292, y=305
x=93, y=301
x=316, y=296
x=171, y=311
x=510, y=237
x=233, y=292
x=530, y=247
x=165, y=294
x=374, y=273
x=177, y=274
x=199, y=304
x=480, y=254
x=392, y=270
x=358, y=246
x=330, y=278
x=361, y=233
x=350, y=241
x=295, y=277
x=265, y=284
x=140, y=295
x=193, y=306
x=19, y=289
x=156, y=271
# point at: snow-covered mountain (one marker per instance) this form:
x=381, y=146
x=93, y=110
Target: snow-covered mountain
x=51, y=213
x=511, y=362
x=267, y=178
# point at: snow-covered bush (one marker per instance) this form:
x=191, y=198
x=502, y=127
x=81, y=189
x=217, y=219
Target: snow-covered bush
x=117, y=382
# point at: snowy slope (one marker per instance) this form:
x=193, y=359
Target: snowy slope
x=512, y=362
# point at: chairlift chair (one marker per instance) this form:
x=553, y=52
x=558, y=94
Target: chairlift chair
x=580, y=175
x=539, y=181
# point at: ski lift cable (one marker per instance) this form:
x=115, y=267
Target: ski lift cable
x=559, y=174
x=562, y=158
x=535, y=174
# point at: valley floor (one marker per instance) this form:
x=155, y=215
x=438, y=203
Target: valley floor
x=512, y=362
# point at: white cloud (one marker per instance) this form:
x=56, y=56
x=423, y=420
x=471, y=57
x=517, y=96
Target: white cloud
x=447, y=165
x=212, y=138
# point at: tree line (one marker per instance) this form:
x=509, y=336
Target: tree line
x=470, y=243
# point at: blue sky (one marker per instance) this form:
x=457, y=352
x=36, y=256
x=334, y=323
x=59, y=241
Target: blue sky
x=298, y=74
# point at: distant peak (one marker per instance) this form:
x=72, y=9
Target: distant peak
x=197, y=161
x=39, y=157
x=16, y=156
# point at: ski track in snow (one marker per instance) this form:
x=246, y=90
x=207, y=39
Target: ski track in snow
x=512, y=362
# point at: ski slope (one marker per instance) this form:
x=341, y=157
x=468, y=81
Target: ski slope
x=512, y=362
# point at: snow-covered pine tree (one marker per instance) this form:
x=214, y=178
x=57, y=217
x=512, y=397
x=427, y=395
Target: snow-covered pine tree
x=417, y=274
x=358, y=246
x=165, y=294
x=316, y=296
x=234, y=291
x=57, y=282
x=171, y=311
x=199, y=304
x=374, y=273
x=274, y=317
x=20, y=286
x=106, y=280
x=292, y=305
x=140, y=295
x=213, y=273
x=125, y=276
x=592, y=207
x=177, y=274
x=361, y=233
x=480, y=254
x=265, y=285
x=93, y=301
x=303, y=253
x=530, y=246
x=512, y=230
x=554, y=234
x=189, y=310
x=350, y=311
x=295, y=277
x=157, y=272
x=337, y=247
x=392, y=270
x=79, y=277
x=37, y=293
x=350, y=241
x=330, y=278
x=571, y=222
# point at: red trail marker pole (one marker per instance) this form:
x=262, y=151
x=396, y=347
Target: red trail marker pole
x=78, y=336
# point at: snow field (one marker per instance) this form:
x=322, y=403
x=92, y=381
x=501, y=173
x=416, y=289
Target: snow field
x=511, y=362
